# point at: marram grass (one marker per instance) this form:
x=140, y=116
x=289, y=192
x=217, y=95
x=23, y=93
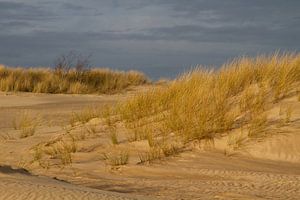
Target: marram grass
x=43, y=80
x=204, y=104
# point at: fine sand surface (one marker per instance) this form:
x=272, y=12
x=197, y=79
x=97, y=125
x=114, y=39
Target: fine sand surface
x=266, y=169
x=55, y=108
x=15, y=184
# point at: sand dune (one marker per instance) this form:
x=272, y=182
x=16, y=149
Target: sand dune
x=267, y=169
x=17, y=184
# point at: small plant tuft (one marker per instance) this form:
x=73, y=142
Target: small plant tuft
x=116, y=157
x=26, y=124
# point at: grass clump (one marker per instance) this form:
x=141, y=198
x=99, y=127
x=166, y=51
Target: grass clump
x=116, y=157
x=84, y=116
x=26, y=124
x=151, y=155
x=160, y=150
x=63, y=151
x=60, y=149
x=171, y=150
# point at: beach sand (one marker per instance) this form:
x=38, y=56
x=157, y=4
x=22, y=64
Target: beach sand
x=266, y=169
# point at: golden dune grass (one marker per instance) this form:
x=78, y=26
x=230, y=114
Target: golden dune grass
x=204, y=104
x=43, y=80
x=26, y=124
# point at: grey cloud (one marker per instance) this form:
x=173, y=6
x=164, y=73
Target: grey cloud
x=230, y=34
x=12, y=24
x=81, y=9
x=5, y=5
x=71, y=6
x=22, y=11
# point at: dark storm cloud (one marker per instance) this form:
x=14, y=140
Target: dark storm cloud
x=7, y=5
x=11, y=24
x=71, y=6
x=82, y=10
x=258, y=34
x=132, y=33
x=22, y=11
x=271, y=22
x=228, y=8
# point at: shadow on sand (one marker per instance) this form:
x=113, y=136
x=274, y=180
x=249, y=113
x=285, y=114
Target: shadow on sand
x=5, y=169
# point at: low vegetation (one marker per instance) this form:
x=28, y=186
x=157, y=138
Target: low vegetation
x=85, y=115
x=61, y=149
x=26, y=124
x=71, y=80
x=116, y=157
x=151, y=155
x=158, y=152
x=204, y=104
x=196, y=108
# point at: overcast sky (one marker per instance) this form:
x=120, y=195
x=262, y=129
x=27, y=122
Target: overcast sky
x=161, y=37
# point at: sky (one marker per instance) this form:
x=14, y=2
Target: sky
x=160, y=37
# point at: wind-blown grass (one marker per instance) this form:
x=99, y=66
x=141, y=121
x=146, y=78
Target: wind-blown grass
x=203, y=104
x=43, y=80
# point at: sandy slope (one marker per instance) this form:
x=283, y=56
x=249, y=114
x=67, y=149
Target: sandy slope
x=201, y=176
x=54, y=108
x=266, y=169
x=16, y=184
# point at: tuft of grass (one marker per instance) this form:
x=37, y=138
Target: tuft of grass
x=84, y=116
x=27, y=131
x=61, y=149
x=153, y=154
x=171, y=150
x=37, y=154
x=26, y=124
x=116, y=157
